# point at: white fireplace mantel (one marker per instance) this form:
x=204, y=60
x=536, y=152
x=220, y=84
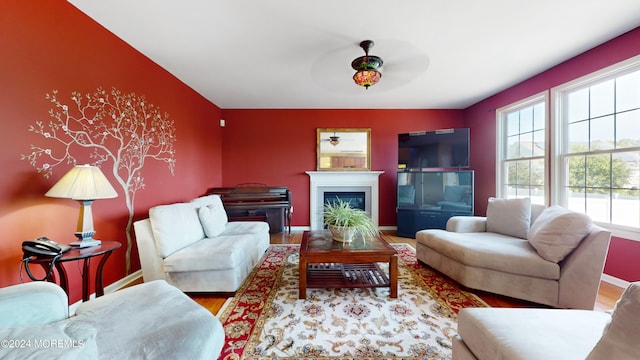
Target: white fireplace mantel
x=367, y=180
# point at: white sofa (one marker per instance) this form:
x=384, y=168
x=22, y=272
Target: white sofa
x=148, y=321
x=194, y=247
x=551, y=334
x=550, y=256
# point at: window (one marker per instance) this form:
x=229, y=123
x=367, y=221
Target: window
x=598, y=145
x=522, y=150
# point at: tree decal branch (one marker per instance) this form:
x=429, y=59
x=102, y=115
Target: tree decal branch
x=121, y=129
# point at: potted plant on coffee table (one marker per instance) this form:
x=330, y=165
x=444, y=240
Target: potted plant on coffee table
x=345, y=222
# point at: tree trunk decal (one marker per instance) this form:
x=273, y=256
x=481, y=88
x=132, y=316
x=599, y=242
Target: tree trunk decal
x=121, y=129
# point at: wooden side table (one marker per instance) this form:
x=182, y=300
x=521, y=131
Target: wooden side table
x=76, y=254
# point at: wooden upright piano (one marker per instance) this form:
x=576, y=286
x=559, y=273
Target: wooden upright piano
x=256, y=201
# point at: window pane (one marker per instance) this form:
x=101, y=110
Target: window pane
x=576, y=200
x=526, y=120
x=538, y=143
x=602, y=99
x=598, y=172
x=628, y=92
x=513, y=123
x=523, y=172
x=628, y=129
x=512, y=173
x=539, y=116
x=526, y=145
x=625, y=168
x=626, y=208
x=537, y=173
x=577, y=173
x=513, y=147
x=598, y=205
x=578, y=136
x=602, y=132
x=578, y=105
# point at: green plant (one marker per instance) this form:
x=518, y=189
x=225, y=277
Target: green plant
x=340, y=213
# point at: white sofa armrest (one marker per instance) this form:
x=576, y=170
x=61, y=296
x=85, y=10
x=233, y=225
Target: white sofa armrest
x=32, y=303
x=466, y=224
x=150, y=259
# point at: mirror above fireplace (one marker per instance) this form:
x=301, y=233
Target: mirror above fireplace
x=344, y=149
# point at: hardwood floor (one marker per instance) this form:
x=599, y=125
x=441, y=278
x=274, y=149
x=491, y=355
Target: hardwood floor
x=607, y=296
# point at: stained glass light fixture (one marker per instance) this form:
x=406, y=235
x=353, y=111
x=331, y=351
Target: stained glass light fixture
x=367, y=67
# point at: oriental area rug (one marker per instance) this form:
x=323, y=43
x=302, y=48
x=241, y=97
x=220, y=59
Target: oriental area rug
x=266, y=320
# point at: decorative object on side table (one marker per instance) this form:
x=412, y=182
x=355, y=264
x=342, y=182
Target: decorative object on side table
x=84, y=183
x=345, y=222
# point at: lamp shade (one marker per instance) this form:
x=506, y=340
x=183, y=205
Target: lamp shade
x=83, y=182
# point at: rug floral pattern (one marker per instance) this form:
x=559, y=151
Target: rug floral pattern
x=266, y=320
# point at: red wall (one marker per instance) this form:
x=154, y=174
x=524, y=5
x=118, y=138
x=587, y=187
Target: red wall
x=481, y=119
x=276, y=147
x=49, y=45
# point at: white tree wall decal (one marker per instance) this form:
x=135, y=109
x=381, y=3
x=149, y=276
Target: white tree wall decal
x=116, y=128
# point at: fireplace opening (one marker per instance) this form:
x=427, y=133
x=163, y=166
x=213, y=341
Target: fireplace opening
x=355, y=198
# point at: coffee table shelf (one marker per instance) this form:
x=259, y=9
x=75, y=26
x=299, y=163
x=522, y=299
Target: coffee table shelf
x=335, y=275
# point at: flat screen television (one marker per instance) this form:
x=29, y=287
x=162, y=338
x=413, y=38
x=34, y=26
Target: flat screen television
x=448, y=148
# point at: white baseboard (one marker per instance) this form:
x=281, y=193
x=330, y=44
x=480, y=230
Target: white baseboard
x=615, y=281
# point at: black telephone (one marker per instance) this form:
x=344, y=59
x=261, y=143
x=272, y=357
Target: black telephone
x=42, y=246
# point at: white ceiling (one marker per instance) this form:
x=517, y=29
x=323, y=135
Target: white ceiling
x=296, y=54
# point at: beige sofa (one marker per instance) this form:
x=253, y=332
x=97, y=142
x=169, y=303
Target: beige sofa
x=551, y=334
x=194, y=247
x=148, y=321
x=550, y=256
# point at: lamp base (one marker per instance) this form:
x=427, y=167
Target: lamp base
x=86, y=243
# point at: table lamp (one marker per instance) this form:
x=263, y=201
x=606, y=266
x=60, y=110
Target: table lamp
x=84, y=183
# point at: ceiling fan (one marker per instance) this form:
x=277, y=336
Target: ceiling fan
x=403, y=62
x=367, y=67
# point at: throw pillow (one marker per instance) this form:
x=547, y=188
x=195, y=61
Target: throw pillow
x=557, y=231
x=509, y=216
x=213, y=219
x=175, y=226
x=210, y=200
x=621, y=337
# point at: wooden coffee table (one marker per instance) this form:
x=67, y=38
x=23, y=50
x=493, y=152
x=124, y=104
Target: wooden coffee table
x=326, y=263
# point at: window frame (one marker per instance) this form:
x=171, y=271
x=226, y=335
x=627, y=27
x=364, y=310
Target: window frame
x=559, y=134
x=502, y=142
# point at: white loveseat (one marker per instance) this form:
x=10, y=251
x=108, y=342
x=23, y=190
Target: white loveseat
x=551, y=256
x=153, y=320
x=194, y=247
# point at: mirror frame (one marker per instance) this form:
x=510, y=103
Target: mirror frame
x=351, y=159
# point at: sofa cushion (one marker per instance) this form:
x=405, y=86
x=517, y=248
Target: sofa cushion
x=213, y=220
x=175, y=226
x=220, y=253
x=549, y=334
x=60, y=340
x=509, y=216
x=621, y=338
x=490, y=251
x=557, y=231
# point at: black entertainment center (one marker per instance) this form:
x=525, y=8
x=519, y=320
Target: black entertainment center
x=429, y=192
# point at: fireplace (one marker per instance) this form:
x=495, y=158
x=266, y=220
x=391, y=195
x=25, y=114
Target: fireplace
x=346, y=184
x=356, y=199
